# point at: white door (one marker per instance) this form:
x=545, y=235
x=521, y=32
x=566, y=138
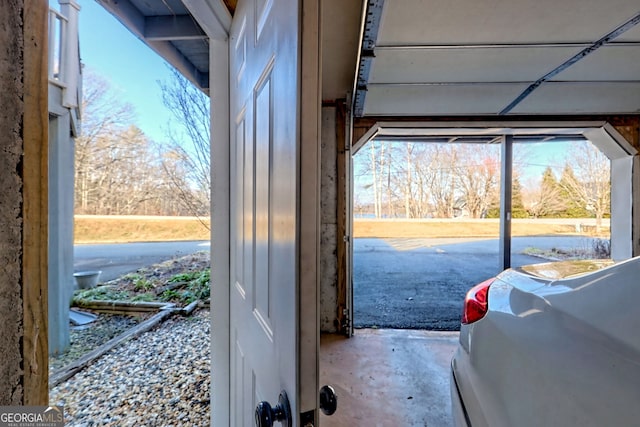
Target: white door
x=265, y=243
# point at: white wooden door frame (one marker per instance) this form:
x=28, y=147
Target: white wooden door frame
x=309, y=209
x=220, y=231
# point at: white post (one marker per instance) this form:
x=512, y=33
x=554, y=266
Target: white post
x=505, y=201
x=70, y=61
x=221, y=227
x=622, y=208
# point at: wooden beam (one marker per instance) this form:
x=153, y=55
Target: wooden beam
x=213, y=17
x=627, y=125
x=361, y=127
x=129, y=15
x=35, y=204
x=181, y=27
x=231, y=5
x=629, y=128
x=341, y=233
x=66, y=372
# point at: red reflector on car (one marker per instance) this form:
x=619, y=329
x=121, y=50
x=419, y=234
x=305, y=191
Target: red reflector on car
x=476, y=302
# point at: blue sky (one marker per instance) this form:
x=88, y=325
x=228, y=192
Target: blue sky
x=132, y=69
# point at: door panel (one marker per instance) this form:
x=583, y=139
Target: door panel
x=264, y=93
x=262, y=202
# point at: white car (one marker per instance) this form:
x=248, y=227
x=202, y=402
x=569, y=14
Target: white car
x=555, y=344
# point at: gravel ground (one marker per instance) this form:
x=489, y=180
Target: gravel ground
x=85, y=338
x=159, y=379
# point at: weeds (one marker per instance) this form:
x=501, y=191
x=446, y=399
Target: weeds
x=132, y=277
x=169, y=295
x=180, y=281
x=201, y=285
x=142, y=284
x=588, y=249
x=100, y=293
x=146, y=297
x=185, y=277
x=198, y=287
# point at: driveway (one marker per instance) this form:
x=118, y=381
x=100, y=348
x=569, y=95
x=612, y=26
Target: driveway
x=421, y=283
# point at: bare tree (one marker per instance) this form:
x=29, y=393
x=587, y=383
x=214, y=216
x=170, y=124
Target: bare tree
x=103, y=116
x=417, y=200
x=379, y=167
x=431, y=179
x=189, y=162
x=375, y=184
x=409, y=199
x=118, y=170
x=477, y=178
x=425, y=182
x=590, y=183
x=443, y=182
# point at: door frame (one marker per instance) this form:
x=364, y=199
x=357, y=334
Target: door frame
x=220, y=230
x=309, y=210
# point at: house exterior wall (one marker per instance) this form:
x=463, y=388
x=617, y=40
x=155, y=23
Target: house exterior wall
x=61, y=282
x=64, y=126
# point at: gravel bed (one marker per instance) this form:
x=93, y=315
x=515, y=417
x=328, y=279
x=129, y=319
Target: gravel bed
x=85, y=338
x=160, y=378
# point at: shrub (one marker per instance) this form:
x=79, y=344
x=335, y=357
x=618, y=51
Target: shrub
x=601, y=248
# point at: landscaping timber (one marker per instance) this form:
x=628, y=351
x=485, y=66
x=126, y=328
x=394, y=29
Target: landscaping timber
x=76, y=366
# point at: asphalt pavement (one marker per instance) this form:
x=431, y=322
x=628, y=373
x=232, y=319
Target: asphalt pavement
x=399, y=283
x=421, y=283
x=115, y=260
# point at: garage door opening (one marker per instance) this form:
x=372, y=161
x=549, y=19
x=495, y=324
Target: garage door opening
x=429, y=217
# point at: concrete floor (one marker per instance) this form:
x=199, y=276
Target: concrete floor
x=388, y=377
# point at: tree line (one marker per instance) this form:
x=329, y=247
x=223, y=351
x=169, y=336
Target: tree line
x=429, y=180
x=120, y=171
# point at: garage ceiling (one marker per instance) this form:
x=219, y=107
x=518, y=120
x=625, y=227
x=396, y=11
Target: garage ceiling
x=499, y=57
x=437, y=57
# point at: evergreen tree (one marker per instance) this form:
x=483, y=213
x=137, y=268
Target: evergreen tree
x=517, y=206
x=549, y=181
